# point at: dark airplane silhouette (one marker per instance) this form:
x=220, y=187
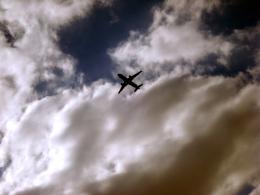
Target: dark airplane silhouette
x=129, y=81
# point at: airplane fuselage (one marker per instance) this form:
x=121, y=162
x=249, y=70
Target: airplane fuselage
x=128, y=80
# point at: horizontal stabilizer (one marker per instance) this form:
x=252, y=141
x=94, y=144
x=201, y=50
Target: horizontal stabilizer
x=138, y=87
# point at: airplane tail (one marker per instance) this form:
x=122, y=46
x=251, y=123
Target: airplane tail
x=138, y=87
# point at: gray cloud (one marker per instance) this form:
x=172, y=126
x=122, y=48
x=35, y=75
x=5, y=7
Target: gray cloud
x=195, y=168
x=94, y=142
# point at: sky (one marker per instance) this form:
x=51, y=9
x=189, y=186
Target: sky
x=192, y=128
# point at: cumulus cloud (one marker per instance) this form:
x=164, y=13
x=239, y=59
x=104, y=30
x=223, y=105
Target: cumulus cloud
x=207, y=158
x=31, y=63
x=33, y=59
x=93, y=142
x=182, y=134
x=174, y=39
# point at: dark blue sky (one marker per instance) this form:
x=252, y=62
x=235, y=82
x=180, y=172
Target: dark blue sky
x=88, y=39
x=246, y=189
x=236, y=14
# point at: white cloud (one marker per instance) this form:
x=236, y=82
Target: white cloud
x=193, y=9
x=31, y=59
x=168, y=44
x=90, y=140
x=51, y=12
x=35, y=55
x=64, y=142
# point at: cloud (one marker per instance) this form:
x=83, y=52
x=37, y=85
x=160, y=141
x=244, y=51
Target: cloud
x=52, y=12
x=32, y=65
x=182, y=134
x=92, y=140
x=174, y=39
x=33, y=61
x=179, y=40
x=198, y=165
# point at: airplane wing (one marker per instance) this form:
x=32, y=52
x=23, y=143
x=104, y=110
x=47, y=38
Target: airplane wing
x=123, y=85
x=133, y=76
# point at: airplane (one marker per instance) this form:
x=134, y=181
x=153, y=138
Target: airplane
x=129, y=81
